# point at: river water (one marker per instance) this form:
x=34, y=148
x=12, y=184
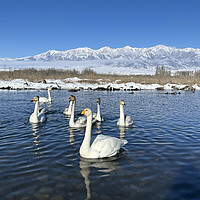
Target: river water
x=160, y=161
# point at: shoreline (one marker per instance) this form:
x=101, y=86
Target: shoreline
x=75, y=84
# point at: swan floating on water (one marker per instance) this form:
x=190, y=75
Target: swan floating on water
x=44, y=99
x=124, y=121
x=103, y=145
x=97, y=115
x=68, y=110
x=81, y=121
x=37, y=115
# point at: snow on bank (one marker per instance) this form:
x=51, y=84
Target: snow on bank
x=74, y=84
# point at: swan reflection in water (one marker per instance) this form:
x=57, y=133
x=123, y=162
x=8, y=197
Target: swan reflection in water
x=36, y=129
x=104, y=166
x=72, y=138
x=36, y=135
x=122, y=132
x=98, y=126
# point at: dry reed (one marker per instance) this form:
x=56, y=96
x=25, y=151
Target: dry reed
x=90, y=76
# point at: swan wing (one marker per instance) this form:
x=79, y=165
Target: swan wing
x=107, y=146
x=94, y=120
x=41, y=117
x=94, y=115
x=66, y=111
x=33, y=119
x=43, y=110
x=81, y=120
x=43, y=100
x=118, y=121
x=129, y=120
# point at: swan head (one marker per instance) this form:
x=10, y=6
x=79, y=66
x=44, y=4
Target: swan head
x=72, y=98
x=87, y=112
x=49, y=88
x=98, y=101
x=36, y=98
x=122, y=102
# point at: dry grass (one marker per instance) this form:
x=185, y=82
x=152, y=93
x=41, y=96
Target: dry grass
x=34, y=75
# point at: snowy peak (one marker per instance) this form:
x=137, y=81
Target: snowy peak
x=171, y=57
x=107, y=53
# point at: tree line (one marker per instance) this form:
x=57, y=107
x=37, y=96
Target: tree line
x=162, y=72
x=161, y=76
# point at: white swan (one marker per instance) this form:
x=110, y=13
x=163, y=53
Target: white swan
x=122, y=121
x=37, y=116
x=103, y=146
x=97, y=115
x=44, y=99
x=81, y=121
x=68, y=111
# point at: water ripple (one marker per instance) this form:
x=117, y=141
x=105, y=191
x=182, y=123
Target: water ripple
x=160, y=161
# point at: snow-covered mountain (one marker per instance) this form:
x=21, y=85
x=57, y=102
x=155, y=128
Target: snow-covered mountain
x=137, y=58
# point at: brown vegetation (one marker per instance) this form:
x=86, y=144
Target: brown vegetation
x=161, y=76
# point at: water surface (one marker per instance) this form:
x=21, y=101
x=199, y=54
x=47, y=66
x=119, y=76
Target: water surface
x=160, y=161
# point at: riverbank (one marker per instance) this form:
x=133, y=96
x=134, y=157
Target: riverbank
x=75, y=84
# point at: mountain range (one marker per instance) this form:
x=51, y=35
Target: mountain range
x=171, y=57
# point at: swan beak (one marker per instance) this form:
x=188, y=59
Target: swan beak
x=33, y=99
x=124, y=104
x=83, y=112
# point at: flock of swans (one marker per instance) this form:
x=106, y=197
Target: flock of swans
x=103, y=146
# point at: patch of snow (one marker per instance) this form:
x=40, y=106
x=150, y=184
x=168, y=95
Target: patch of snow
x=20, y=84
x=75, y=79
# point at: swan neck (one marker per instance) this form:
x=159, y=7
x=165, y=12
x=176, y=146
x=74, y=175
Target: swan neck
x=71, y=121
x=98, y=112
x=36, y=109
x=49, y=95
x=85, y=146
x=70, y=107
x=121, y=114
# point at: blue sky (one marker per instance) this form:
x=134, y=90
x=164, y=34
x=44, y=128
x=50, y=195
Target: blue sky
x=30, y=27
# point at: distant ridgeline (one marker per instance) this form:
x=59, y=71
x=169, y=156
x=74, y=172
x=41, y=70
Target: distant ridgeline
x=186, y=59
